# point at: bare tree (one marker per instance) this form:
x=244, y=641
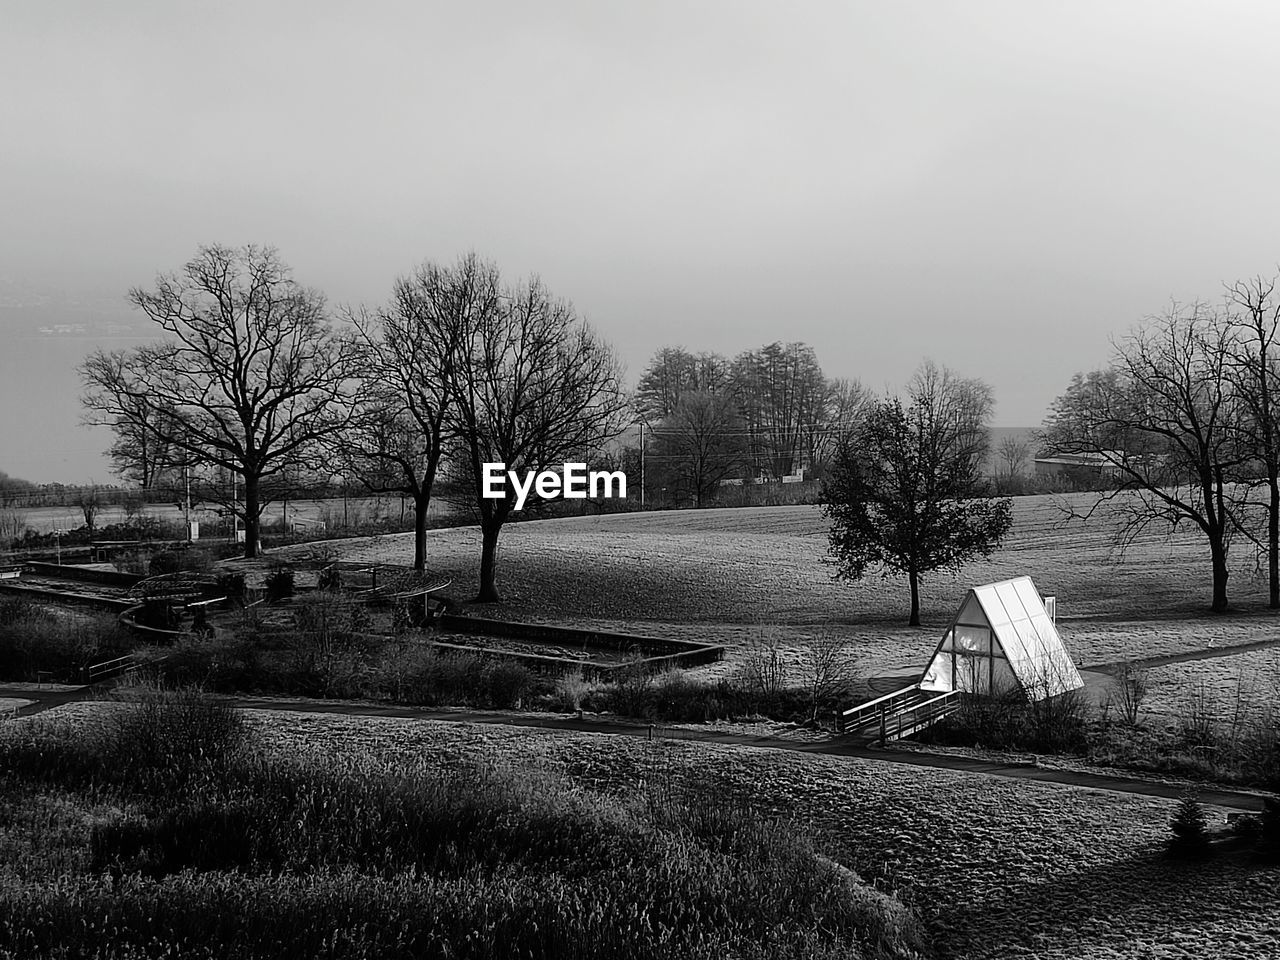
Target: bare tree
x=536, y=387
x=673, y=371
x=846, y=407
x=411, y=352
x=782, y=395
x=249, y=375
x=1255, y=373
x=89, y=500
x=700, y=444
x=1162, y=417
x=1128, y=691
x=1013, y=452
x=830, y=670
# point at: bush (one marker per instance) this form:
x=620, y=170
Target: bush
x=279, y=584
x=1011, y=722
x=231, y=586
x=1268, y=849
x=165, y=741
x=35, y=639
x=1190, y=838
x=505, y=683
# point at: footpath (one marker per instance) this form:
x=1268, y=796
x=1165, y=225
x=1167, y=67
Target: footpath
x=47, y=698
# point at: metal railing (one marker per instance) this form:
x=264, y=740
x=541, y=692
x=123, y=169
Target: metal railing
x=921, y=715
x=855, y=717
x=108, y=668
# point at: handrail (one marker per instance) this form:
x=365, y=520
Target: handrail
x=97, y=671
x=921, y=715
x=879, y=700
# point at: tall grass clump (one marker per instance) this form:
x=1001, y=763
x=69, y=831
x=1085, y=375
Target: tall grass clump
x=164, y=741
x=35, y=640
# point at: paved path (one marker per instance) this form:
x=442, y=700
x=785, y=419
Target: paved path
x=1204, y=653
x=836, y=746
x=43, y=697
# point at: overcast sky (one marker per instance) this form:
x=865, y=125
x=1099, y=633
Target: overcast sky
x=997, y=186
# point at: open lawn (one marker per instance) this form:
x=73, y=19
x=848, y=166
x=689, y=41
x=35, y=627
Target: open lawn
x=1239, y=687
x=998, y=868
x=753, y=574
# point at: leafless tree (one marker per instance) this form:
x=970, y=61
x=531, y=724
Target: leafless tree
x=700, y=444
x=138, y=454
x=1254, y=316
x=411, y=353
x=673, y=371
x=1013, y=452
x=846, y=407
x=1128, y=691
x=831, y=668
x=89, y=500
x=249, y=376
x=1162, y=417
x=782, y=395
x=535, y=387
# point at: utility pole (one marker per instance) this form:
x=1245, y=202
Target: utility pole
x=642, y=463
x=186, y=512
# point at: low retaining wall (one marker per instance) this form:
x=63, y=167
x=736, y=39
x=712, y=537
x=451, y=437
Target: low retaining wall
x=654, y=649
x=64, y=596
x=71, y=572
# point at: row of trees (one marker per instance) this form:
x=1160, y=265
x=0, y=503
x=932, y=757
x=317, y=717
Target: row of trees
x=253, y=377
x=769, y=413
x=1187, y=417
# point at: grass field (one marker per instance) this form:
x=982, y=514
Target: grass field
x=998, y=868
x=1239, y=686
x=751, y=574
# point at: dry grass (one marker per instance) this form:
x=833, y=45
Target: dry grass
x=1225, y=688
x=734, y=576
x=1000, y=868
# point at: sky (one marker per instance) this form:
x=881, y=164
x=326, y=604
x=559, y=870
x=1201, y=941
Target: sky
x=999, y=186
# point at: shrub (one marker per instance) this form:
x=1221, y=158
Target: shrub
x=34, y=639
x=279, y=584
x=505, y=683
x=1268, y=849
x=572, y=690
x=1129, y=690
x=1190, y=838
x=232, y=586
x=166, y=740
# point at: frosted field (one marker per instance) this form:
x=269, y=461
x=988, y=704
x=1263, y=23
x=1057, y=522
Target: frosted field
x=746, y=575
x=998, y=868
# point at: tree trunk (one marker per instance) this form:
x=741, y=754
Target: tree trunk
x=914, y=579
x=1220, y=573
x=420, y=505
x=488, y=562
x=251, y=515
x=1273, y=543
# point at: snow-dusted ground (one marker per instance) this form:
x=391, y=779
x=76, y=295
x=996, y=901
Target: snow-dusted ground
x=999, y=868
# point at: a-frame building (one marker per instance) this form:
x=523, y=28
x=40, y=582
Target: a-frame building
x=1002, y=639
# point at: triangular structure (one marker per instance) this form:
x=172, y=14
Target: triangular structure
x=1002, y=639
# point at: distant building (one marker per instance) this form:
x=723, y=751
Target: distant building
x=1079, y=466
